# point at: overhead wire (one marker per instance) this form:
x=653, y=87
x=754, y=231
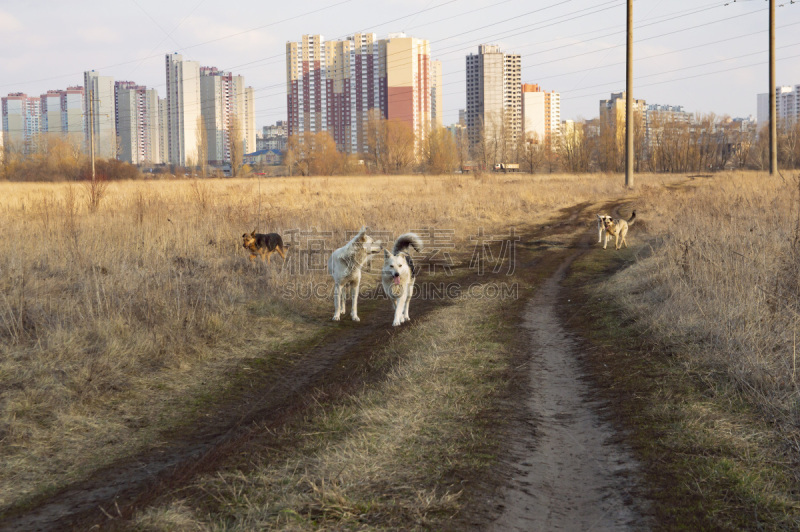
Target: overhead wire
x=506, y=34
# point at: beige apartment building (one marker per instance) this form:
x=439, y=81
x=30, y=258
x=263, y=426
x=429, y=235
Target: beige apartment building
x=494, y=103
x=541, y=115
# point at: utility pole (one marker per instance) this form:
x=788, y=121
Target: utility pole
x=91, y=129
x=773, y=114
x=629, y=101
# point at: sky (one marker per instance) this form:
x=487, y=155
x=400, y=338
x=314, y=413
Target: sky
x=708, y=56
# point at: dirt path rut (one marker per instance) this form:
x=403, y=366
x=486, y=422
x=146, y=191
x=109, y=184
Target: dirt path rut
x=570, y=472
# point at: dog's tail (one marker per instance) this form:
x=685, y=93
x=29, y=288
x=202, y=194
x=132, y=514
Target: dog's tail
x=405, y=241
x=633, y=216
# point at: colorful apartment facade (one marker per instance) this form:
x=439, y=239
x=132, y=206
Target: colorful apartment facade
x=336, y=86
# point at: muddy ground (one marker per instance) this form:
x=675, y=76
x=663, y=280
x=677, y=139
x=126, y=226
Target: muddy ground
x=566, y=468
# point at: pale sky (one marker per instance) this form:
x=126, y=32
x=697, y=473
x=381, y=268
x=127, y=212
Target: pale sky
x=709, y=56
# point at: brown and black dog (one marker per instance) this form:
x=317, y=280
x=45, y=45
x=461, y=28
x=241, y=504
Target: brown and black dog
x=264, y=245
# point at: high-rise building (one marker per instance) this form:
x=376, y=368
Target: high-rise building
x=787, y=105
x=335, y=86
x=137, y=123
x=408, y=76
x=21, y=122
x=73, y=112
x=183, y=109
x=364, y=87
x=331, y=86
x=62, y=114
x=163, y=131
x=249, y=133
x=57, y=112
x=21, y=126
x=541, y=114
x=612, y=111
x=227, y=109
x=51, y=117
x=494, y=106
x=100, y=114
x=437, y=106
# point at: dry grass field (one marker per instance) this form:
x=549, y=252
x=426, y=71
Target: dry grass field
x=116, y=324
x=120, y=324
x=723, y=284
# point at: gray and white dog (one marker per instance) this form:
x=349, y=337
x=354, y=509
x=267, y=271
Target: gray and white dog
x=398, y=275
x=345, y=267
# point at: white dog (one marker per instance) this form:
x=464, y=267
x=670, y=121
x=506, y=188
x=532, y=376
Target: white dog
x=345, y=267
x=398, y=275
x=601, y=226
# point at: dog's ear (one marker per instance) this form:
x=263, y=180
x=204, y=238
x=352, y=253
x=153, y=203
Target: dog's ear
x=362, y=235
x=253, y=233
x=386, y=254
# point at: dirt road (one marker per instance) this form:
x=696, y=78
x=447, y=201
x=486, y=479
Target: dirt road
x=570, y=470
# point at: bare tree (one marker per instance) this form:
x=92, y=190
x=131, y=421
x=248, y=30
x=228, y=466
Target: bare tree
x=532, y=152
x=438, y=153
x=236, y=144
x=788, y=145
x=390, y=144
x=574, y=148
x=202, y=146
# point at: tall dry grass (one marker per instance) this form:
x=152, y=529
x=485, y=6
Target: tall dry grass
x=723, y=284
x=113, y=321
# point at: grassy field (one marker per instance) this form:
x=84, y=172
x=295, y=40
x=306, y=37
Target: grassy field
x=119, y=325
x=112, y=321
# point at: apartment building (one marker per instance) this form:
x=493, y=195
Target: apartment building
x=227, y=113
x=437, y=105
x=21, y=122
x=408, y=82
x=183, y=109
x=73, y=113
x=541, y=115
x=494, y=102
x=273, y=137
x=137, y=123
x=98, y=92
x=787, y=105
x=612, y=111
x=163, y=130
x=50, y=106
x=335, y=86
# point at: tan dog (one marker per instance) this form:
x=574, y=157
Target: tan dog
x=618, y=228
x=601, y=226
x=264, y=245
